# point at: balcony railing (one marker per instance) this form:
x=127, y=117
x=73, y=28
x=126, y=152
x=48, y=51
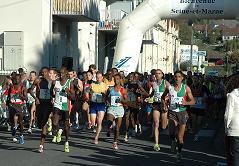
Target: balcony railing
x=87, y=8
x=68, y=6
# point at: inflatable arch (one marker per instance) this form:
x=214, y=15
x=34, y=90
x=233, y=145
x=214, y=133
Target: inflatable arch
x=150, y=12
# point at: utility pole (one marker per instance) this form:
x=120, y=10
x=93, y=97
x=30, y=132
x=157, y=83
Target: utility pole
x=227, y=65
x=190, y=23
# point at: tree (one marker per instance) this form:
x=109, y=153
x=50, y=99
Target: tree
x=184, y=32
x=185, y=65
x=234, y=56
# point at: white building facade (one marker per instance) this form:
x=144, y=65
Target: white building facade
x=50, y=33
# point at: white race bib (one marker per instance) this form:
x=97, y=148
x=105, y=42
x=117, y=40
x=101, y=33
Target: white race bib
x=157, y=96
x=97, y=97
x=175, y=103
x=113, y=100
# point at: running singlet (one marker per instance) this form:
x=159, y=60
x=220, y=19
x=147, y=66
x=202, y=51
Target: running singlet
x=158, y=91
x=198, y=94
x=132, y=95
x=177, y=98
x=115, y=97
x=29, y=96
x=14, y=96
x=61, y=101
x=44, y=90
x=86, y=90
x=97, y=90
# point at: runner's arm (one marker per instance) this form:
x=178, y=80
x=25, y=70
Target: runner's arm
x=71, y=92
x=34, y=85
x=190, y=96
x=23, y=94
x=142, y=91
x=80, y=85
x=124, y=99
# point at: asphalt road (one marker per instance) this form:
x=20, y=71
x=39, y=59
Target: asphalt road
x=137, y=152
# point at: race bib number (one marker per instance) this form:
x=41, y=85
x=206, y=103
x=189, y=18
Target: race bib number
x=115, y=101
x=175, y=103
x=45, y=94
x=157, y=97
x=63, y=99
x=97, y=97
x=131, y=96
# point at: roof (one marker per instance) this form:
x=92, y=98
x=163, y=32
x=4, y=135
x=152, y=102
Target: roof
x=200, y=27
x=230, y=31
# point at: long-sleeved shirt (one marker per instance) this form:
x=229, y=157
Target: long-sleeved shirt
x=231, y=117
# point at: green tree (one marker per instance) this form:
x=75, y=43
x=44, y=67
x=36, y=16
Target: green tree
x=184, y=32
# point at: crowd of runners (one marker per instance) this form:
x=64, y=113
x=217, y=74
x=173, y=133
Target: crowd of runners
x=57, y=101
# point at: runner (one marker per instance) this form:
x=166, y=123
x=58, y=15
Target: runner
x=98, y=103
x=158, y=89
x=149, y=101
x=16, y=95
x=117, y=97
x=64, y=92
x=134, y=92
x=86, y=97
x=31, y=105
x=54, y=75
x=92, y=68
x=109, y=79
x=200, y=94
x=76, y=103
x=43, y=102
x=180, y=96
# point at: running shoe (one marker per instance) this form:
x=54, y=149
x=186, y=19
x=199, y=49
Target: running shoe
x=140, y=129
x=21, y=140
x=29, y=131
x=40, y=148
x=179, y=157
x=14, y=130
x=94, y=129
x=14, y=139
x=156, y=147
x=58, y=137
x=173, y=146
x=50, y=133
x=34, y=126
x=76, y=127
x=115, y=146
x=67, y=147
x=54, y=139
x=8, y=127
x=126, y=138
x=96, y=142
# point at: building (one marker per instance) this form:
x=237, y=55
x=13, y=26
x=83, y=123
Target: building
x=160, y=48
x=77, y=33
x=50, y=33
x=230, y=33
